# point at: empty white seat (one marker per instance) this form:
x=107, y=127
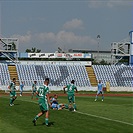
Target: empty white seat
x=116, y=75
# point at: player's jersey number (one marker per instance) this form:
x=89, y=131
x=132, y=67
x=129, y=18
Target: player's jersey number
x=41, y=92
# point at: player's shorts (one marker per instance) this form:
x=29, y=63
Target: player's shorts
x=43, y=105
x=21, y=90
x=99, y=92
x=13, y=94
x=54, y=106
x=71, y=98
x=34, y=91
x=59, y=106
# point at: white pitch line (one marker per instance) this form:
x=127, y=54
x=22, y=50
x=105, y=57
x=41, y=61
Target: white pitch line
x=112, y=105
x=101, y=117
x=105, y=118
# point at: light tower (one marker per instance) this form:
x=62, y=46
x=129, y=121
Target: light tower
x=9, y=48
x=98, y=39
x=131, y=47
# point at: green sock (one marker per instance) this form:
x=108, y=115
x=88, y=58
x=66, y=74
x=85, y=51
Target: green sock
x=11, y=100
x=32, y=96
x=74, y=105
x=46, y=121
x=36, y=96
x=66, y=106
x=36, y=117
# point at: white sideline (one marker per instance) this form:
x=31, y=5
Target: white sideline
x=101, y=117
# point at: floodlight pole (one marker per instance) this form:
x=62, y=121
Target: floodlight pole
x=98, y=38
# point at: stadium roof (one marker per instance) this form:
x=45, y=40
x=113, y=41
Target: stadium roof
x=89, y=51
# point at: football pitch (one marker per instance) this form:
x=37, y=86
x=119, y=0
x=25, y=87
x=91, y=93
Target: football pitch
x=113, y=115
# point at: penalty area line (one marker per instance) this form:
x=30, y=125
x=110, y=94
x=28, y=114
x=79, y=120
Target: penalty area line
x=105, y=118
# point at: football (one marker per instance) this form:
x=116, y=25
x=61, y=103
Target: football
x=71, y=108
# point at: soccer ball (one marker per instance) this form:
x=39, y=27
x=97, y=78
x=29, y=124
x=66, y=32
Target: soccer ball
x=71, y=108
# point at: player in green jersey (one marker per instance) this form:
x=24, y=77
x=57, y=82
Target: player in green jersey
x=12, y=88
x=44, y=102
x=70, y=93
x=34, y=89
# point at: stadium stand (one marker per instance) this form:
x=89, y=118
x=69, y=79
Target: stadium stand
x=4, y=75
x=59, y=75
x=116, y=75
x=62, y=74
x=91, y=75
x=13, y=73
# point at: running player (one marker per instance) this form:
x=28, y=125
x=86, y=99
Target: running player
x=44, y=102
x=12, y=88
x=34, y=89
x=100, y=90
x=70, y=92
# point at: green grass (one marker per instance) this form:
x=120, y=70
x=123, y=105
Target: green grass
x=114, y=115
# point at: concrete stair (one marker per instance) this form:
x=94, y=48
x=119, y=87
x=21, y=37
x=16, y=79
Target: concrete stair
x=91, y=75
x=13, y=73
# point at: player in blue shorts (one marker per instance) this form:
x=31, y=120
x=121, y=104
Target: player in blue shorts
x=55, y=105
x=100, y=90
x=21, y=88
x=54, y=102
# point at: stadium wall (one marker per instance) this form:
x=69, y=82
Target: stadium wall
x=86, y=63
x=128, y=89
x=60, y=88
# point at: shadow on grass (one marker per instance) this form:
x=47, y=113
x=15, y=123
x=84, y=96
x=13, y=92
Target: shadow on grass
x=49, y=124
x=16, y=104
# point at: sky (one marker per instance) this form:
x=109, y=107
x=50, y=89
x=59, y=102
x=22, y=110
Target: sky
x=68, y=24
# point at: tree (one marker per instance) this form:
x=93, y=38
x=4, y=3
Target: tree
x=103, y=62
x=38, y=51
x=33, y=50
x=28, y=50
x=95, y=62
